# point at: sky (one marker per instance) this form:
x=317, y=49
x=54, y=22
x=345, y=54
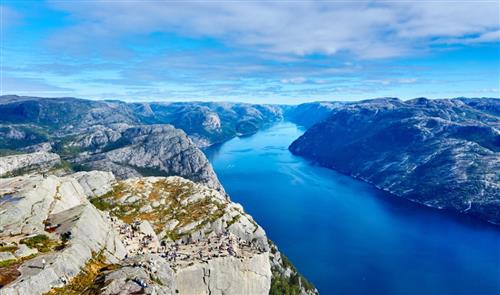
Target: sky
x=252, y=51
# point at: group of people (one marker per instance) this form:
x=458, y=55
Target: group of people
x=184, y=251
x=136, y=241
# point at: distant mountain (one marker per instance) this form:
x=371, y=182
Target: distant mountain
x=441, y=153
x=89, y=232
x=206, y=123
x=129, y=139
x=308, y=114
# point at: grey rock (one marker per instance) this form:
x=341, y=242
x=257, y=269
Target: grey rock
x=24, y=251
x=158, y=150
x=226, y=275
x=441, y=153
x=6, y=256
x=27, y=162
x=95, y=183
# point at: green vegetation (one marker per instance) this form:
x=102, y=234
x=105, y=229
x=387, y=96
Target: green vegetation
x=84, y=282
x=6, y=263
x=102, y=203
x=60, y=144
x=233, y=220
x=291, y=285
x=121, y=142
x=282, y=286
x=8, y=152
x=65, y=165
x=150, y=171
x=10, y=249
x=173, y=206
x=31, y=135
x=42, y=243
x=8, y=269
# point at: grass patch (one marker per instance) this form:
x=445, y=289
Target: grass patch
x=8, y=270
x=174, y=193
x=10, y=249
x=7, y=262
x=83, y=283
x=41, y=242
x=291, y=285
x=234, y=220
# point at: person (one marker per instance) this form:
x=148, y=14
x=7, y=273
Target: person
x=44, y=263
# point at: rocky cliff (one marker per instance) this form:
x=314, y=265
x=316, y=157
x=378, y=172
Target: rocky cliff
x=22, y=163
x=441, y=153
x=128, y=139
x=131, y=151
x=88, y=233
x=308, y=114
x=29, y=120
x=208, y=123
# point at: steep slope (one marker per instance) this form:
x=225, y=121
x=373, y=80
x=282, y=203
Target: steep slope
x=208, y=123
x=22, y=163
x=143, y=150
x=151, y=235
x=36, y=119
x=308, y=114
x=441, y=153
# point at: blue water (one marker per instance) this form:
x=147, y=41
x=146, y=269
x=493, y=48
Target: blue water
x=348, y=237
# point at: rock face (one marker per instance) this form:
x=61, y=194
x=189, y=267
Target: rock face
x=25, y=120
x=153, y=235
x=208, y=123
x=53, y=214
x=95, y=183
x=129, y=140
x=441, y=153
x=25, y=162
x=308, y=114
x=227, y=275
x=150, y=150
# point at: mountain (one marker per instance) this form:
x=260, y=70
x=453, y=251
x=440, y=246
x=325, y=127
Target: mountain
x=308, y=114
x=206, y=123
x=98, y=198
x=129, y=139
x=88, y=233
x=440, y=153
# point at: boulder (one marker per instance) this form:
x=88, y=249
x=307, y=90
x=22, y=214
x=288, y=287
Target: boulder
x=24, y=251
x=226, y=275
x=95, y=183
x=6, y=256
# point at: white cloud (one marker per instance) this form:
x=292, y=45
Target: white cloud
x=367, y=29
x=296, y=80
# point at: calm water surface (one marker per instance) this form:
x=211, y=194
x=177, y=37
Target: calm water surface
x=348, y=237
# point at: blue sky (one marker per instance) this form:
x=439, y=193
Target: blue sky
x=253, y=51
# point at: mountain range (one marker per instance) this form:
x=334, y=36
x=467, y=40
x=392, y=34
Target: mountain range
x=139, y=167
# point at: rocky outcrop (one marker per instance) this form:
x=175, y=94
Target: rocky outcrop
x=226, y=275
x=208, y=123
x=308, y=114
x=179, y=209
x=95, y=183
x=53, y=215
x=21, y=163
x=25, y=118
x=154, y=235
x=152, y=150
x=440, y=153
